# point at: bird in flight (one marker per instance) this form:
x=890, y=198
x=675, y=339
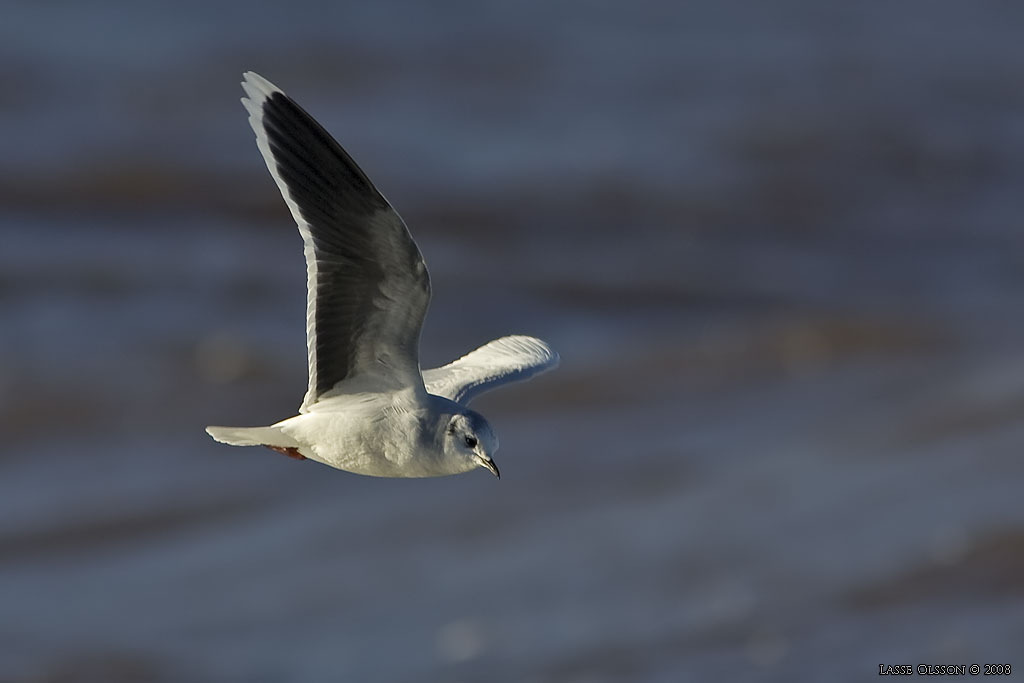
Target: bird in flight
x=369, y=409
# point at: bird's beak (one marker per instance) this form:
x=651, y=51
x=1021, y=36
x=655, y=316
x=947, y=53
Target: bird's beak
x=489, y=464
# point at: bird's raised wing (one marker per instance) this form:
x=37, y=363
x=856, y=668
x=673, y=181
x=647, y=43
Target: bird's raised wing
x=367, y=285
x=509, y=359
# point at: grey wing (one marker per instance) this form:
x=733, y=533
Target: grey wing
x=509, y=359
x=367, y=285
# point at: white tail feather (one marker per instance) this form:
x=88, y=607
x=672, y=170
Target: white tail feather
x=251, y=436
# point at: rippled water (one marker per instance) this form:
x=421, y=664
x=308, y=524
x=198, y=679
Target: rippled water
x=778, y=247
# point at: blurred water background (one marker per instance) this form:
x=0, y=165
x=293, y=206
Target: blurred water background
x=779, y=246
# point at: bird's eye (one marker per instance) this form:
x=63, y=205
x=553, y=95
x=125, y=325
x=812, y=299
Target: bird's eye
x=471, y=441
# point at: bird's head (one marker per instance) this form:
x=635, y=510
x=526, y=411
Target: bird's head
x=469, y=437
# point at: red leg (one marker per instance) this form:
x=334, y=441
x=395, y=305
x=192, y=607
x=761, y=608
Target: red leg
x=290, y=451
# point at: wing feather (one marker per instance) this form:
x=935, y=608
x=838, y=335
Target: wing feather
x=508, y=359
x=367, y=285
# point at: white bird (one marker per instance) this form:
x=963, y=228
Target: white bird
x=369, y=409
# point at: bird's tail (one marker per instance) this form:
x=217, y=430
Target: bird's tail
x=252, y=436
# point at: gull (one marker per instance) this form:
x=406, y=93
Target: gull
x=368, y=408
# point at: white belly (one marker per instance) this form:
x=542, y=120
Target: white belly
x=364, y=438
